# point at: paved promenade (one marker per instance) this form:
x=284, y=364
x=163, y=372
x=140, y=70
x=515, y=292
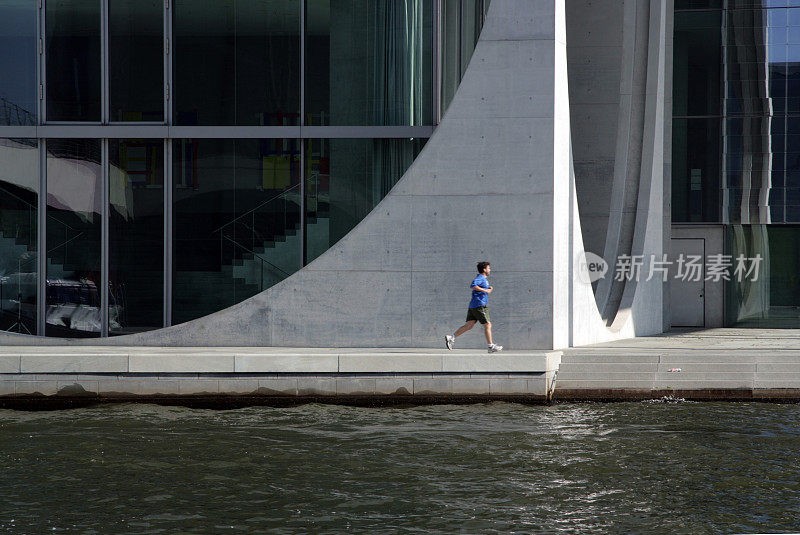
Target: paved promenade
x=735, y=364
x=220, y=376
x=697, y=364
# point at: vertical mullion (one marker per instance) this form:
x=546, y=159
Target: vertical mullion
x=41, y=88
x=459, y=37
x=104, y=230
x=169, y=51
x=167, y=232
x=104, y=96
x=41, y=241
x=302, y=229
x=436, y=61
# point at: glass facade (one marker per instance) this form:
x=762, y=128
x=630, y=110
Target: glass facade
x=135, y=235
x=18, y=62
x=736, y=144
x=19, y=201
x=137, y=228
x=136, y=60
x=346, y=178
x=73, y=228
x=462, y=21
x=369, y=63
x=73, y=37
x=773, y=298
x=237, y=62
x=236, y=205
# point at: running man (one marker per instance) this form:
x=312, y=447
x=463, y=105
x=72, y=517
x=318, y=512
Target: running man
x=478, y=311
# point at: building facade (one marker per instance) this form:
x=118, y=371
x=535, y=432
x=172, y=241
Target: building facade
x=328, y=172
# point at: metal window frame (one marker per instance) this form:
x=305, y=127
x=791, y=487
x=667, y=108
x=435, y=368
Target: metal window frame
x=104, y=230
x=41, y=242
x=302, y=177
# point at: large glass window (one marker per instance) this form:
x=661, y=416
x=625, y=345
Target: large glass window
x=136, y=235
x=74, y=209
x=18, y=62
x=368, y=63
x=19, y=184
x=697, y=63
x=73, y=60
x=136, y=59
x=695, y=174
x=237, y=62
x=345, y=179
x=768, y=297
x=236, y=210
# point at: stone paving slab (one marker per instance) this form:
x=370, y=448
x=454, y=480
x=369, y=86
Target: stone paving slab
x=711, y=364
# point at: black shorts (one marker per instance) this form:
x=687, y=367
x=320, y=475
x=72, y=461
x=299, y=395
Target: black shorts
x=479, y=314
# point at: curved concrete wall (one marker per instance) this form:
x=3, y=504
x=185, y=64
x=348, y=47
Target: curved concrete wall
x=494, y=182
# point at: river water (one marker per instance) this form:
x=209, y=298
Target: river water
x=568, y=468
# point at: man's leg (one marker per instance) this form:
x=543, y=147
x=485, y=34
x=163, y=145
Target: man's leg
x=487, y=330
x=464, y=328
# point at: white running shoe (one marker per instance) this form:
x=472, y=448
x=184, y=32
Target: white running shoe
x=449, y=340
x=494, y=348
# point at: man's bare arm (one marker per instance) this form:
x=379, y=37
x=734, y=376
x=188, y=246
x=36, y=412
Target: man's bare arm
x=485, y=290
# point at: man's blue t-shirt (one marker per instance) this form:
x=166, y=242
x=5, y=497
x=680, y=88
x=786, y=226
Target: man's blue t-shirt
x=479, y=299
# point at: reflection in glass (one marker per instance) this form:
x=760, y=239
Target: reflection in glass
x=136, y=235
x=236, y=219
x=18, y=62
x=73, y=60
x=368, y=63
x=772, y=299
x=237, y=62
x=461, y=24
x=695, y=170
x=346, y=179
x=136, y=59
x=19, y=184
x=74, y=208
x=696, y=63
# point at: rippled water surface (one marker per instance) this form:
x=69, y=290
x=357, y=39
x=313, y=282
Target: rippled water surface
x=573, y=468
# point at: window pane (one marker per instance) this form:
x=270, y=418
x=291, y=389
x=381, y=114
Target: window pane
x=74, y=202
x=368, y=63
x=451, y=66
x=346, y=179
x=695, y=170
x=19, y=184
x=696, y=63
x=236, y=220
x=237, y=62
x=136, y=236
x=18, y=62
x=73, y=60
x=772, y=299
x=136, y=60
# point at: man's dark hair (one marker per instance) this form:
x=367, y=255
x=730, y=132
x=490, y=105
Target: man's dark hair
x=482, y=266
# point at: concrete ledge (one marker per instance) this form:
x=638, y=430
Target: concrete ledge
x=83, y=360
x=286, y=363
x=61, y=363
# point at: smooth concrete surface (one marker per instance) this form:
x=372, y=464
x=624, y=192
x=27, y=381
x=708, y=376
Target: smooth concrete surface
x=697, y=364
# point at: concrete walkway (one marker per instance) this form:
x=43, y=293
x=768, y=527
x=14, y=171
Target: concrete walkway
x=31, y=374
x=692, y=364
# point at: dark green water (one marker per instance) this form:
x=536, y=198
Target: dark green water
x=572, y=468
